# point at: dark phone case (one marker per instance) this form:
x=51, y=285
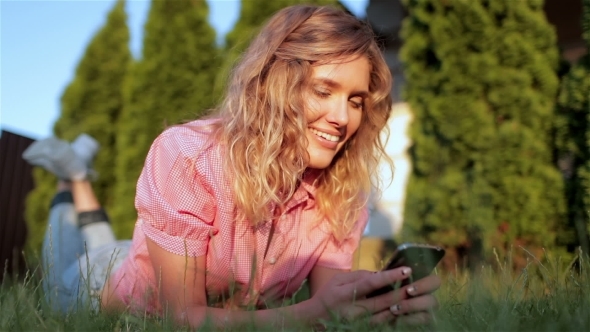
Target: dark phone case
x=421, y=258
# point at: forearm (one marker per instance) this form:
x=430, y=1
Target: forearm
x=305, y=313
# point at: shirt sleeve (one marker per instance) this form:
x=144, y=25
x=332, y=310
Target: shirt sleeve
x=338, y=255
x=175, y=209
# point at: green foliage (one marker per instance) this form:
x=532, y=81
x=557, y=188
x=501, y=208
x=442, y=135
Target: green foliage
x=253, y=15
x=572, y=131
x=586, y=32
x=481, y=81
x=90, y=104
x=573, y=140
x=173, y=82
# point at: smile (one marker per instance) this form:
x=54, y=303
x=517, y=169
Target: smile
x=325, y=136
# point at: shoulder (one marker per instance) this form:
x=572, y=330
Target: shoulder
x=193, y=150
x=191, y=143
x=189, y=139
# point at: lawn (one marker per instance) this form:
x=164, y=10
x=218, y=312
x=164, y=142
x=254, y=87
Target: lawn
x=548, y=294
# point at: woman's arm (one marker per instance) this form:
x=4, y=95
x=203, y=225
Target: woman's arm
x=182, y=293
x=181, y=279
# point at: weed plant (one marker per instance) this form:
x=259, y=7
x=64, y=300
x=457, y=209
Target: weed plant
x=548, y=294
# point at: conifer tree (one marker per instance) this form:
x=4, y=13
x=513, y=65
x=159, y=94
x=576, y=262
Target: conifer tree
x=90, y=104
x=171, y=83
x=573, y=143
x=481, y=81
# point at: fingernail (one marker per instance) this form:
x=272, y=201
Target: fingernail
x=411, y=290
x=394, y=308
x=406, y=271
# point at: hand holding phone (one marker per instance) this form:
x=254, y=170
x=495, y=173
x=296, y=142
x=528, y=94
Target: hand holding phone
x=421, y=258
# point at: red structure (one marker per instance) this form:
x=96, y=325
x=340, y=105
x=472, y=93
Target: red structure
x=16, y=181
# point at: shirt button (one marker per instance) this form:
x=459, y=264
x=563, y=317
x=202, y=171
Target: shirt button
x=272, y=260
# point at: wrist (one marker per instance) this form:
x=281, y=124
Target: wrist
x=314, y=311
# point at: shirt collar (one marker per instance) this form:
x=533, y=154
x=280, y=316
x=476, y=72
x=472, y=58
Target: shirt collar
x=306, y=191
x=309, y=181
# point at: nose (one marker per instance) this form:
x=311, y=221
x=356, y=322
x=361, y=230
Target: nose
x=338, y=114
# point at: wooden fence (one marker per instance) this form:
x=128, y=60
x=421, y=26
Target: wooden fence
x=16, y=180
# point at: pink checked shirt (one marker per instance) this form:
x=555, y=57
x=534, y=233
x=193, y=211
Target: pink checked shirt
x=184, y=203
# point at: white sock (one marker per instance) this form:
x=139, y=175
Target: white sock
x=85, y=147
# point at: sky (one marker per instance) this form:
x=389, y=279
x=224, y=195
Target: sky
x=41, y=43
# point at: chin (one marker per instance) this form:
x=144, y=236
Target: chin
x=320, y=162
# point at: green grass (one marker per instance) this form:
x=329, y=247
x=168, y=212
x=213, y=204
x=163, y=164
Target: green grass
x=548, y=294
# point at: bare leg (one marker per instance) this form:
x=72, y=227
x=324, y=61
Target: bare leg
x=84, y=197
x=92, y=219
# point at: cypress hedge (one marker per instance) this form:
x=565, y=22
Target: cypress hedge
x=91, y=104
x=573, y=143
x=481, y=81
x=170, y=84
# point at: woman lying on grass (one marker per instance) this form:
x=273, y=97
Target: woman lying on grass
x=236, y=211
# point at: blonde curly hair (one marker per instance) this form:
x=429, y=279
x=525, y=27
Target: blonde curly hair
x=262, y=123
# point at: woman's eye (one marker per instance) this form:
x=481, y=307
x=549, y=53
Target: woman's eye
x=321, y=93
x=357, y=104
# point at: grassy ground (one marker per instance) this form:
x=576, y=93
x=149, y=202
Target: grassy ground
x=547, y=295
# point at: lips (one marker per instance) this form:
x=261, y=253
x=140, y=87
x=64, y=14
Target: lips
x=326, y=136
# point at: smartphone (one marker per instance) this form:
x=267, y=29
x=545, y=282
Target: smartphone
x=421, y=258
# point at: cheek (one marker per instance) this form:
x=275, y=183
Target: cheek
x=354, y=122
x=312, y=109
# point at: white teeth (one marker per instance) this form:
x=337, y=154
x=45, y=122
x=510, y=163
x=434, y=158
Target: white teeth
x=328, y=137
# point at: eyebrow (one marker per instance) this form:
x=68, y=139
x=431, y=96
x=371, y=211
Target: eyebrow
x=335, y=85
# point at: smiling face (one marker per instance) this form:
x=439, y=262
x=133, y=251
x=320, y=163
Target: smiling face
x=335, y=103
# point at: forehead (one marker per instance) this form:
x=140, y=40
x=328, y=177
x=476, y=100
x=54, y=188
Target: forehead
x=346, y=72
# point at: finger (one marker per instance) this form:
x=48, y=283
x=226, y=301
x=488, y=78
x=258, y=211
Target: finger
x=415, y=304
x=417, y=318
x=382, y=317
x=376, y=281
x=380, y=279
x=425, y=285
